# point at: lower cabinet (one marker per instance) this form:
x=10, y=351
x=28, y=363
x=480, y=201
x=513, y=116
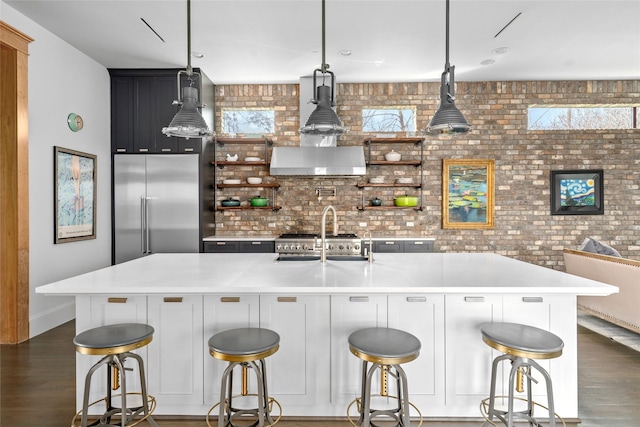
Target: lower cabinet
x=348, y=314
x=422, y=316
x=223, y=312
x=298, y=371
x=468, y=358
x=174, y=368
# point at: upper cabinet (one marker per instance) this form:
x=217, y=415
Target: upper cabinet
x=142, y=104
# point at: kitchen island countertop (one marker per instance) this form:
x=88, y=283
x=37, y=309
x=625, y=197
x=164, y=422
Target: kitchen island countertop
x=447, y=273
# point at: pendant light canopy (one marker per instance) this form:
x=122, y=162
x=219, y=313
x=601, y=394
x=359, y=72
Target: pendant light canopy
x=188, y=122
x=323, y=120
x=448, y=119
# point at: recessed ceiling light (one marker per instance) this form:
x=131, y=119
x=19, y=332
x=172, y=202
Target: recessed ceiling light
x=500, y=50
x=197, y=54
x=488, y=62
x=345, y=52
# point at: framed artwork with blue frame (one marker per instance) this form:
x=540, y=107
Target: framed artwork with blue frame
x=577, y=192
x=74, y=195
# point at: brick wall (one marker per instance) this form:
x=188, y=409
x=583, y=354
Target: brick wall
x=524, y=228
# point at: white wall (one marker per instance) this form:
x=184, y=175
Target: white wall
x=62, y=80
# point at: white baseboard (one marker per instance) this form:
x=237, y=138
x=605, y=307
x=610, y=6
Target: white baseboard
x=50, y=319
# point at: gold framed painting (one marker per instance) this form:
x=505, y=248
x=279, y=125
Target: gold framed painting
x=467, y=193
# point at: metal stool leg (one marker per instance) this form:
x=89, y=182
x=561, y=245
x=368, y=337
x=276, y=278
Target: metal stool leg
x=222, y=421
x=403, y=397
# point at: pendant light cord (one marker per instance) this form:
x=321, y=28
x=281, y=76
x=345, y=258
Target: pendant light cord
x=189, y=69
x=446, y=65
x=324, y=67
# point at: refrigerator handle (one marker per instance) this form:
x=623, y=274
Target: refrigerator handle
x=143, y=224
x=147, y=231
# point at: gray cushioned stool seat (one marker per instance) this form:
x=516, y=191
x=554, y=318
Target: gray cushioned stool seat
x=385, y=346
x=522, y=340
x=244, y=344
x=111, y=339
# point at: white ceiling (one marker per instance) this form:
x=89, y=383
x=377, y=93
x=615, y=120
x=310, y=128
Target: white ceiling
x=271, y=41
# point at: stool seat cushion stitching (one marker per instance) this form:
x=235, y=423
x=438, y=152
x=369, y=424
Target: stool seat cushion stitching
x=113, y=335
x=244, y=341
x=384, y=342
x=522, y=337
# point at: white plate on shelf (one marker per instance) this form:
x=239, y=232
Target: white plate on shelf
x=252, y=159
x=231, y=181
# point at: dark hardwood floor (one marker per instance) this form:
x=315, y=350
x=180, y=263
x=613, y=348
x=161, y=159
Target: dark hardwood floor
x=37, y=384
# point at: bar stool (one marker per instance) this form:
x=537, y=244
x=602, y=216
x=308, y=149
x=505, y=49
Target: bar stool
x=116, y=342
x=520, y=344
x=386, y=349
x=244, y=347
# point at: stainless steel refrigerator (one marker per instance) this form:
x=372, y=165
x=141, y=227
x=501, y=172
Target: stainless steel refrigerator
x=156, y=205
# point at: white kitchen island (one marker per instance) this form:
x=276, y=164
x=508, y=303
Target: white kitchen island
x=442, y=298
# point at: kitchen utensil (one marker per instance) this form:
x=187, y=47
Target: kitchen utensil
x=231, y=181
x=254, y=180
x=406, y=201
x=230, y=202
x=376, y=202
x=392, y=156
x=259, y=201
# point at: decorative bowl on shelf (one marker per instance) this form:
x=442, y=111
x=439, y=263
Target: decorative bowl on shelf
x=392, y=156
x=254, y=180
x=231, y=181
x=406, y=201
x=259, y=201
x=230, y=202
x=377, y=180
x=252, y=159
x=376, y=202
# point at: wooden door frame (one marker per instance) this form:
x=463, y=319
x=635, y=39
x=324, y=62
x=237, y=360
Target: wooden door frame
x=14, y=186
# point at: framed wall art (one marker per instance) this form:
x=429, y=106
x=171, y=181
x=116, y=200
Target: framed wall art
x=467, y=194
x=577, y=192
x=74, y=195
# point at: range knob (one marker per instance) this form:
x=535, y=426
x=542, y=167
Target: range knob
x=341, y=247
x=331, y=246
x=305, y=247
x=356, y=247
x=298, y=247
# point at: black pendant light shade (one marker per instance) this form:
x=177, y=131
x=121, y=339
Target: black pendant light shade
x=448, y=119
x=323, y=120
x=188, y=122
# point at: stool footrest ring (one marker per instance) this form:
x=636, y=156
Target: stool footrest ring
x=484, y=410
x=134, y=412
x=379, y=412
x=243, y=412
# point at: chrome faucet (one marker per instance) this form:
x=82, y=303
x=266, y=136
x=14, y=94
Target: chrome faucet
x=369, y=253
x=323, y=230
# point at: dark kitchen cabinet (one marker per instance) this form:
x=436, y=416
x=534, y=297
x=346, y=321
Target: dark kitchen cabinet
x=142, y=104
x=402, y=246
x=240, y=246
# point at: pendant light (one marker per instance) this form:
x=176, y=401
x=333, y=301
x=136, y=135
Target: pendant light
x=448, y=119
x=323, y=120
x=188, y=122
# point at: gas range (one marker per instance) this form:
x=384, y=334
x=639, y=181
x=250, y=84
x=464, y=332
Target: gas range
x=303, y=245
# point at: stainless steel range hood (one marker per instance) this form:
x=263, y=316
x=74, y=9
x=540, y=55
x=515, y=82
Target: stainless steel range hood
x=317, y=155
x=318, y=161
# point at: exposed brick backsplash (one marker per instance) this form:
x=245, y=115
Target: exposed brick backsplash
x=524, y=228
